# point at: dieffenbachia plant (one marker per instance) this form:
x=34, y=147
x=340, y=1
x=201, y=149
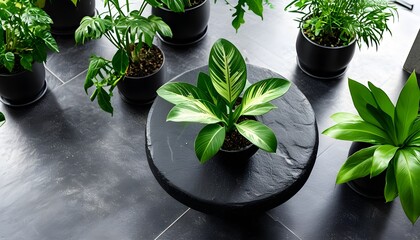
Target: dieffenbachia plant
x=214, y=102
x=393, y=131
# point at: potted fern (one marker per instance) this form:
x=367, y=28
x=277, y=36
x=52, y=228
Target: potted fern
x=67, y=14
x=137, y=68
x=392, y=135
x=330, y=30
x=230, y=119
x=25, y=39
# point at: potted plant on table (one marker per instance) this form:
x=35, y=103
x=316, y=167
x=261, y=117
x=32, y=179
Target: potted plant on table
x=330, y=30
x=392, y=135
x=188, y=20
x=137, y=68
x=67, y=14
x=24, y=40
x=217, y=102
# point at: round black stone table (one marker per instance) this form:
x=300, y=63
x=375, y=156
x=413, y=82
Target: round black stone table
x=226, y=188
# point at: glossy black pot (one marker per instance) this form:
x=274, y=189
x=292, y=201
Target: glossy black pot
x=236, y=156
x=320, y=61
x=187, y=27
x=66, y=16
x=23, y=88
x=142, y=90
x=368, y=187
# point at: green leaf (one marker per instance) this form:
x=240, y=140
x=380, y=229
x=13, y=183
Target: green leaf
x=26, y=61
x=120, y=61
x=205, y=85
x=92, y=28
x=406, y=110
x=199, y=111
x=361, y=98
x=227, y=70
x=104, y=101
x=407, y=173
x=358, y=132
x=345, y=117
x=74, y=2
x=96, y=65
x=160, y=26
x=263, y=92
x=49, y=41
x=9, y=61
x=255, y=6
x=391, y=190
x=208, y=142
x=238, y=15
x=382, y=99
x=258, y=134
x=257, y=110
x=357, y=165
x=179, y=92
x=2, y=119
x=381, y=158
x=174, y=5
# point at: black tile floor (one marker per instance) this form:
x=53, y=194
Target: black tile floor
x=70, y=171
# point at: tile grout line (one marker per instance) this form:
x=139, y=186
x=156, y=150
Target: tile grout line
x=290, y=230
x=59, y=79
x=74, y=77
x=176, y=220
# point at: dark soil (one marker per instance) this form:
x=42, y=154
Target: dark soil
x=150, y=62
x=234, y=140
x=195, y=3
x=328, y=40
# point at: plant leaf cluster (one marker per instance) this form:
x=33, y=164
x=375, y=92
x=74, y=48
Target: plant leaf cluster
x=41, y=3
x=339, y=22
x=214, y=102
x=239, y=9
x=393, y=131
x=128, y=30
x=24, y=35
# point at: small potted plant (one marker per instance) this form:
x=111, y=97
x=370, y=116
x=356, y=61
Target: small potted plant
x=216, y=101
x=67, y=14
x=330, y=30
x=188, y=20
x=137, y=68
x=392, y=135
x=24, y=39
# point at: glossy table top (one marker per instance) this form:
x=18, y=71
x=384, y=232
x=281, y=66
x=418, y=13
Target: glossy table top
x=70, y=171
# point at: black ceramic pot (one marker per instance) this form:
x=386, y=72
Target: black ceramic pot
x=320, y=61
x=66, y=16
x=187, y=27
x=23, y=88
x=236, y=156
x=368, y=187
x=142, y=90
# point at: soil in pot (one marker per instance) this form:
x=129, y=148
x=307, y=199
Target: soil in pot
x=143, y=78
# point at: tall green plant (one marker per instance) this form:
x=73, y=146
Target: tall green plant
x=130, y=32
x=24, y=35
x=214, y=102
x=339, y=22
x=393, y=131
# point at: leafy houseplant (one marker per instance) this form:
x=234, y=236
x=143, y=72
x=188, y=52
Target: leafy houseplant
x=24, y=41
x=216, y=102
x=132, y=34
x=333, y=28
x=394, y=135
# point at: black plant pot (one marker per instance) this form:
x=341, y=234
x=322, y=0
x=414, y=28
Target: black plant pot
x=236, y=156
x=66, y=16
x=23, y=88
x=320, y=61
x=187, y=27
x=372, y=188
x=142, y=90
